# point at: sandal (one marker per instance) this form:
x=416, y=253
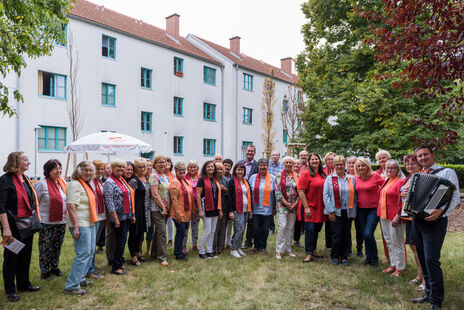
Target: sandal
x=415, y=282
x=136, y=263
x=119, y=273
x=317, y=255
x=306, y=260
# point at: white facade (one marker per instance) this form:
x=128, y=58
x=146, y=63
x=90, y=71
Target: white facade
x=124, y=71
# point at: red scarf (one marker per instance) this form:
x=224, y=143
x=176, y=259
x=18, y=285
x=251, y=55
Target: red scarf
x=185, y=194
x=336, y=190
x=239, y=196
x=100, y=204
x=209, y=200
x=283, y=183
x=267, y=190
x=56, y=201
x=24, y=208
x=125, y=192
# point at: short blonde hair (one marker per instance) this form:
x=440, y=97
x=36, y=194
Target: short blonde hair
x=338, y=158
x=193, y=163
x=288, y=158
x=12, y=163
x=219, y=165
x=118, y=162
x=98, y=163
x=140, y=161
x=382, y=152
x=157, y=159
x=366, y=162
x=78, y=171
x=330, y=154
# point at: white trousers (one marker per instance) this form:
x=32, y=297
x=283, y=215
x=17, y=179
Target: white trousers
x=286, y=224
x=170, y=229
x=394, y=238
x=207, y=239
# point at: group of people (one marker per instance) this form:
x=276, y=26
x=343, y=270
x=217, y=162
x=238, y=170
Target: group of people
x=127, y=203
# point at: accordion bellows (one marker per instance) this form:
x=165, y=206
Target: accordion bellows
x=426, y=193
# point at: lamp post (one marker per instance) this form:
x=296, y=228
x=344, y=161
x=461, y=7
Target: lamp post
x=36, y=128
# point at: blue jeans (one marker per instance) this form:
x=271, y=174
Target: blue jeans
x=98, y=230
x=85, y=250
x=261, y=224
x=368, y=219
x=311, y=234
x=181, y=228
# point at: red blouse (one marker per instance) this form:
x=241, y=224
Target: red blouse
x=313, y=188
x=393, y=199
x=366, y=190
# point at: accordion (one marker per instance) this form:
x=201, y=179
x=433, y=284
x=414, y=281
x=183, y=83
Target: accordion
x=426, y=193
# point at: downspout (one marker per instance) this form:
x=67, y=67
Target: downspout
x=18, y=115
x=222, y=109
x=236, y=110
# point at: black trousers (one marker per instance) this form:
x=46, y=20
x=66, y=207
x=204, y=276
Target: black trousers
x=249, y=233
x=181, y=228
x=261, y=224
x=134, y=240
x=359, y=235
x=341, y=236
x=298, y=230
x=17, y=265
x=428, y=238
x=120, y=243
x=328, y=234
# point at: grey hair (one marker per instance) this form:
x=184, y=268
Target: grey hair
x=382, y=152
x=78, y=171
x=263, y=161
x=288, y=158
x=397, y=164
x=178, y=165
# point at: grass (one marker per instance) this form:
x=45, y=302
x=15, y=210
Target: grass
x=257, y=281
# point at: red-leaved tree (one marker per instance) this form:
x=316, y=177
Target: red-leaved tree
x=425, y=40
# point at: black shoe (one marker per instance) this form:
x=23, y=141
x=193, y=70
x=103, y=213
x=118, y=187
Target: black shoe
x=45, y=275
x=13, y=297
x=375, y=263
x=99, y=250
x=183, y=258
x=86, y=283
x=366, y=263
x=57, y=272
x=434, y=307
x=420, y=300
x=360, y=254
x=30, y=288
x=211, y=255
x=203, y=256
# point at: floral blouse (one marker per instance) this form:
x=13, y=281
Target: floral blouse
x=162, y=181
x=292, y=192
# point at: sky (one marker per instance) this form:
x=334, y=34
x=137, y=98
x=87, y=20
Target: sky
x=269, y=29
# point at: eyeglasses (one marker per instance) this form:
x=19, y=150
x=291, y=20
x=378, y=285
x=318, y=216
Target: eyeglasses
x=391, y=168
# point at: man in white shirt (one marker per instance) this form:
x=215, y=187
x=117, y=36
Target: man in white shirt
x=429, y=233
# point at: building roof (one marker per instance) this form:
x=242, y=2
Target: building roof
x=119, y=22
x=253, y=64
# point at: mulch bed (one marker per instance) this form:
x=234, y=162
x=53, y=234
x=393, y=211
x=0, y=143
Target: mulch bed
x=456, y=219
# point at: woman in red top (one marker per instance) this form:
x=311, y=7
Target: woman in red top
x=311, y=209
x=389, y=210
x=367, y=185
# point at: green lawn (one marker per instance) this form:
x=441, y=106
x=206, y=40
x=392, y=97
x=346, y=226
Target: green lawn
x=257, y=281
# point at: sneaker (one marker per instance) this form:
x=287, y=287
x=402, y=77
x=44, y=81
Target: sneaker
x=345, y=262
x=278, y=256
x=241, y=252
x=334, y=261
x=211, y=255
x=77, y=291
x=203, y=256
x=170, y=243
x=234, y=253
x=291, y=254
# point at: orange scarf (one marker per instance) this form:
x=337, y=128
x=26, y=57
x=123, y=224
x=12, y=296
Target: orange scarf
x=383, y=197
x=92, y=201
x=350, y=193
x=267, y=190
x=132, y=194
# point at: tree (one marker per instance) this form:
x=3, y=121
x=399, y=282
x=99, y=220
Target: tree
x=348, y=110
x=28, y=28
x=291, y=112
x=427, y=37
x=267, y=107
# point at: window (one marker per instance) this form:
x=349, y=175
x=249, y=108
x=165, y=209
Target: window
x=209, y=75
x=51, y=138
x=108, y=94
x=285, y=106
x=285, y=136
x=52, y=85
x=209, y=147
x=146, y=121
x=108, y=47
x=145, y=75
x=178, y=106
x=178, y=66
x=147, y=155
x=63, y=42
x=300, y=96
x=209, y=111
x=247, y=116
x=178, y=145
x=247, y=81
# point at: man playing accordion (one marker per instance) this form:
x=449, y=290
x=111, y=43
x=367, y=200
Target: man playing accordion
x=429, y=232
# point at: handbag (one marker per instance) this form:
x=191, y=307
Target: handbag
x=27, y=226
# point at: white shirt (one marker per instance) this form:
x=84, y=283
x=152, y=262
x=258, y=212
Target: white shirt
x=245, y=197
